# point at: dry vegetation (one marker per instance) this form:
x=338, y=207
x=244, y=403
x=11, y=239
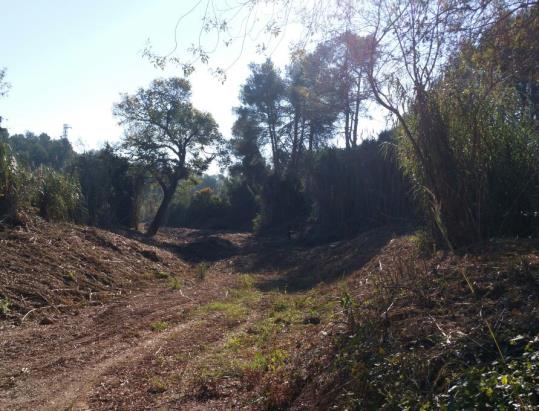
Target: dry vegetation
x=379, y=320
x=48, y=269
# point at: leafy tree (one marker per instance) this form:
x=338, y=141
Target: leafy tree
x=262, y=99
x=40, y=150
x=111, y=188
x=167, y=136
x=343, y=61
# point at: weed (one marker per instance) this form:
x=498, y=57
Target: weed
x=159, y=325
x=424, y=242
x=246, y=281
x=72, y=275
x=175, y=283
x=4, y=305
x=258, y=363
x=162, y=275
x=271, y=362
x=233, y=310
x=202, y=270
x=157, y=385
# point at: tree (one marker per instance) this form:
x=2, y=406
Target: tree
x=34, y=151
x=411, y=44
x=262, y=99
x=343, y=60
x=168, y=136
x=4, y=86
x=111, y=187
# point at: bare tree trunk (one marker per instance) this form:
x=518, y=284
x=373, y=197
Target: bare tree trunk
x=356, y=114
x=138, y=185
x=168, y=194
x=347, y=128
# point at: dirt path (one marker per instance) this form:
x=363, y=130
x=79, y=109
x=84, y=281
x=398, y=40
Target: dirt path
x=55, y=366
x=104, y=357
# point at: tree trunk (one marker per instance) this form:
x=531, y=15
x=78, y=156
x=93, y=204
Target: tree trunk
x=138, y=185
x=356, y=115
x=168, y=194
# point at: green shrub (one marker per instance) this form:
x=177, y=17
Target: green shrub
x=512, y=385
x=17, y=185
x=202, y=270
x=59, y=196
x=159, y=326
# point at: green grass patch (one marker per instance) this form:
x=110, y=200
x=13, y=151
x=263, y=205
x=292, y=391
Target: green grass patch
x=175, y=283
x=159, y=326
x=234, y=310
x=162, y=275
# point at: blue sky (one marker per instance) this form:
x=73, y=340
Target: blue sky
x=68, y=61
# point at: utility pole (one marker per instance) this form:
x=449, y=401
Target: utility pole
x=66, y=128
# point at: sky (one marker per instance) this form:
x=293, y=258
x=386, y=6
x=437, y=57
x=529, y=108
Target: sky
x=68, y=62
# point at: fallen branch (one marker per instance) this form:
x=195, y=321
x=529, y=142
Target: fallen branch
x=41, y=308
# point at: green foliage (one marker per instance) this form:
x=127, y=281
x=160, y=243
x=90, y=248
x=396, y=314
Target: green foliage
x=7, y=181
x=162, y=275
x=201, y=270
x=59, y=196
x=167, y=136
x=476, y=150
x=509, y=385
x=282, y=200
x=159, y=326
x=4, y=306
x=175, y=283
x=4, y=86
x=423, y=242
x=358, y=188
x=33, y=151
x=111, y=188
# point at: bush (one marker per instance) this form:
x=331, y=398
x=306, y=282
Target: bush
x=478, y=174
x=59, y=196
x=17, y=185
x=358, y=188
x=283, y=200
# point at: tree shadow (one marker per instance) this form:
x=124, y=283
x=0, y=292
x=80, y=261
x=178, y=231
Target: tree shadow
x=193, y=246
x=298, y=268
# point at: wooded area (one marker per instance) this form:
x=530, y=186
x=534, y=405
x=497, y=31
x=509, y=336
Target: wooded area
x=458, y=166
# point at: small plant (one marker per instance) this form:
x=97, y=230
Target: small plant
x=162, y=275
x=246, y=281
x=157, y=385
x=4, y=306
x=202, y=270
x=424, y=242
x=233, y=310
x=72, y=275
x=347, y=304
x=175, y=283
x=159, y=326
x=259, y=362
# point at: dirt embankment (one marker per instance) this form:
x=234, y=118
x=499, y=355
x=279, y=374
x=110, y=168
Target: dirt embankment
x=47, y=269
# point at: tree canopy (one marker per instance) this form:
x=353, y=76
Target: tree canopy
x=166, y=135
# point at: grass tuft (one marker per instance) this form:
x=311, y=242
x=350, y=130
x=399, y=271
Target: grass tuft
x=159, y=326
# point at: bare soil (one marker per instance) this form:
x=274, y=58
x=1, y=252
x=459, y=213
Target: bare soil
x=201, y=320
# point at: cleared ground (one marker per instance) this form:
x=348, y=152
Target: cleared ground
x=205, y=320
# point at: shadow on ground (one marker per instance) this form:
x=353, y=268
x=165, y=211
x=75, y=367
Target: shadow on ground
x=193, y=246
x=299, y=268
x=284, y=264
